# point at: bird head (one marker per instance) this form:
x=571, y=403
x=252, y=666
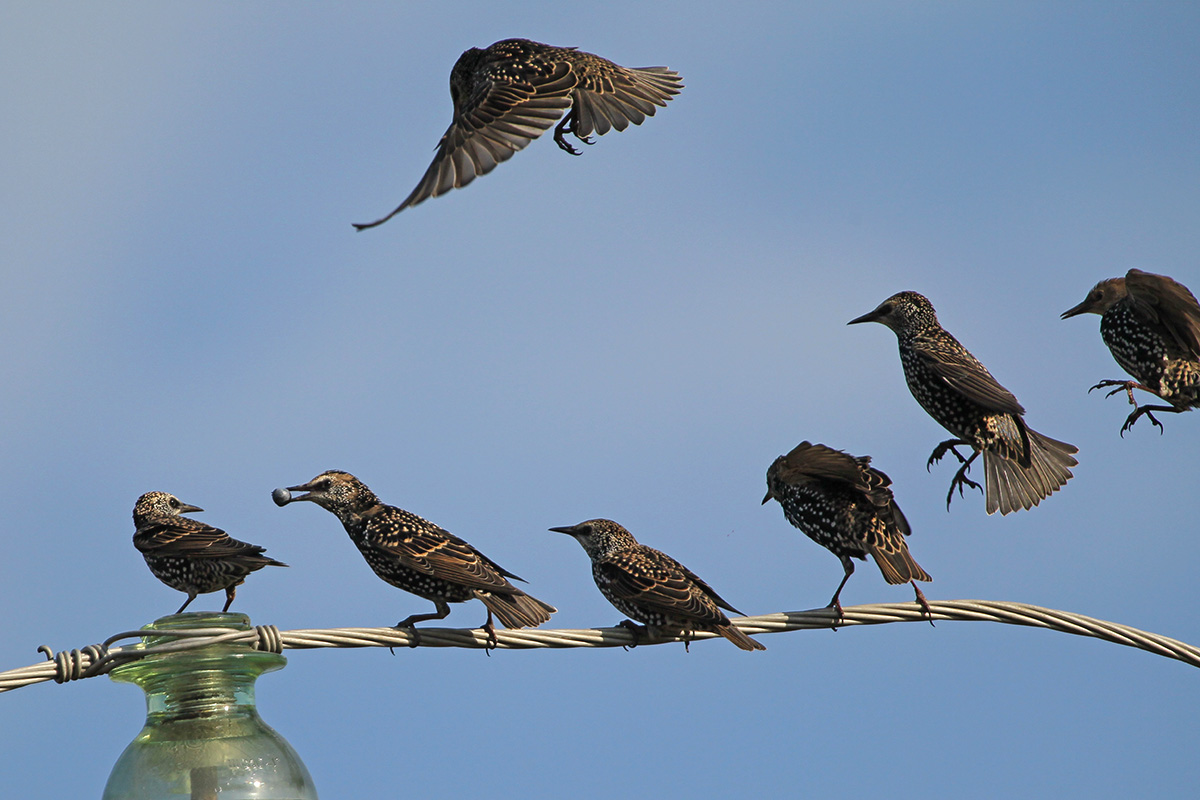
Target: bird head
x=159, y=504
x=599, y=537
x=905, y=312
x=335, y=491
x=1100, y=299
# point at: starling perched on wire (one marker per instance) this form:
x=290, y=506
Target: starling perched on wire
x=1151, y=324
x=417, y=556
x=1021, y=465
x=845, y=505
x=507, y=94
x=187, y=554
x=651, y=587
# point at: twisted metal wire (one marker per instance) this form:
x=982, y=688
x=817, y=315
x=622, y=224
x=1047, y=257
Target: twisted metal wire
x=99, y=659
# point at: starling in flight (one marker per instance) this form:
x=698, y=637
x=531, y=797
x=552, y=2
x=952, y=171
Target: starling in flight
x=651, y=587
x=1021, y=465
x=187, y=554
x=846, y=506
x=507, y=94
x=1151, y=324
x=417, y=556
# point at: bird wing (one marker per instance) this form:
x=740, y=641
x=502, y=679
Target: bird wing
x=966, y=375
x=658, y=582
x=180, y=536
x=507, y=111
x=1167, y=305
x=611, y=96
x=427, y=548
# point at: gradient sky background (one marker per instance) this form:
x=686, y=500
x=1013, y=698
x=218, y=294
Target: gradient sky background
x=636, y=334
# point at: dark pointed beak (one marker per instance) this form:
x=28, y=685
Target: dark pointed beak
x=184, y=508
x=768, y=498
x=567, y=530
x=870, y=316
x=283, y=496
x=1082, y=308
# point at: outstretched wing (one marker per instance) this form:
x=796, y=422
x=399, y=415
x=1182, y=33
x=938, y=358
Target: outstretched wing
x=611, y=96
x=501, y=113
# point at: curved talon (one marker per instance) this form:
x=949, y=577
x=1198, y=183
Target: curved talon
x=635, y=631
x=567, y=125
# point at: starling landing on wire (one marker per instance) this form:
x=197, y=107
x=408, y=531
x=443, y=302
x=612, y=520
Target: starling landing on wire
x=1021, y=465
x=507, y=94
x=1152, y=326
x=417, y=556
x=651, y=587
x=187, y=554
x=847, y=507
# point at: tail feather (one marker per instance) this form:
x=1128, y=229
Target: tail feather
x=734, y=635
x=517, y=609
x=897, y=564
x=1011, y=487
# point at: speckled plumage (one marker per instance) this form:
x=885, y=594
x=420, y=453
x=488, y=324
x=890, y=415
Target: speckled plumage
x=191, y=556
x=417, y=556
x=508, y=94
x=1021, y=465
x=1151, y=324
x=650, y=587
x=845, y=505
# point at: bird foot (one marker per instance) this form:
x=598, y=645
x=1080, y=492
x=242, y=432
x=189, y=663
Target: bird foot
x=490, y=629
x=838, y=615
x=410, y=625
x=948, y=446
x=635, y=630
x=568, y=126
x=1132, y=418
x=923, y=602
x=961, y=480
x=1126, y=386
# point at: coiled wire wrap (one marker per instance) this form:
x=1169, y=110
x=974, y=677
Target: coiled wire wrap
x=98, y=659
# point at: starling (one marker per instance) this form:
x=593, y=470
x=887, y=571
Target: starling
x=1151, y=325
x=507, y=94
x=417, y=556
x=845, y=505
x=651, y=587
x=187, y=554
x=1021, y=465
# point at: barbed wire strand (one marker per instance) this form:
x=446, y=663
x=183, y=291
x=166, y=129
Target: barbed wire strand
x=101, y=658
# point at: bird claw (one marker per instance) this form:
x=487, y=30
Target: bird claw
x=960, y=480
x=568, y=126
x=1132, y=418
x=939, y=452
x=923, y=602
x=635, y=630
x=839, y=616
x=1127, y=386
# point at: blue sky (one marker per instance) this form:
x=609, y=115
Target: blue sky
x=635, y=334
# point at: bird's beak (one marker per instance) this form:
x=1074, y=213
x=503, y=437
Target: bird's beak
x=870, y=316
x=768, y=498
x=290, y=497
x=184, y=508
x=570, y=531
x=1082, y=308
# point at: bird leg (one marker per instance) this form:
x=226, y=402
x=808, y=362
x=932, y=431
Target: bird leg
x=635, y=630
x=191, y=597
x=961, y=479
x=567, y=125
x=949, y=445
x=1128, y=386
x=493, y=642
x=1132, y=418
x=835, y=603
x=924, y=603
x=443, y=611
x=229, y=593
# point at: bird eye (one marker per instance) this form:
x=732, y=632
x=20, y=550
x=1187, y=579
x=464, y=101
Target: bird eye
x=886, y=308
x=174, y=502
